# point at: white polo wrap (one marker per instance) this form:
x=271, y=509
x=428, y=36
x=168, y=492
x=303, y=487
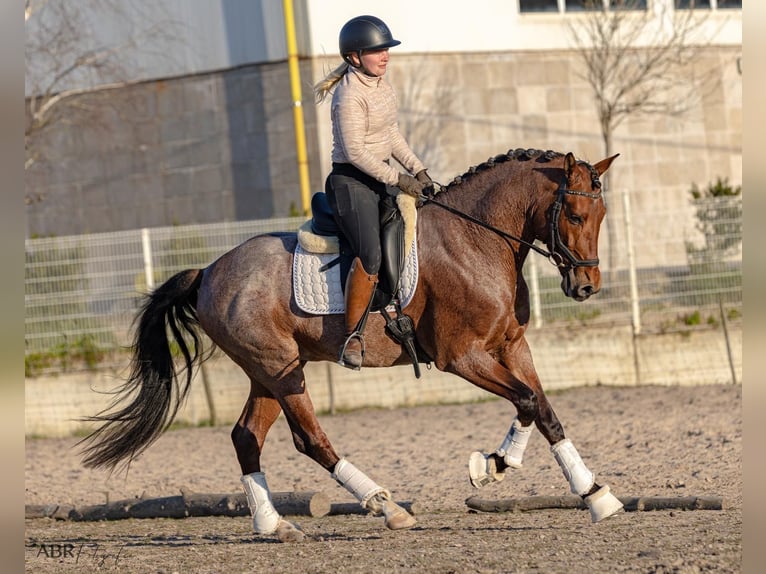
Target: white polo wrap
x=357, y=483
x=265, y=516
x=514, y=443
x=580, y=479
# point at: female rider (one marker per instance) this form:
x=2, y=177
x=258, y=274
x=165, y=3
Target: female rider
x=365, y=137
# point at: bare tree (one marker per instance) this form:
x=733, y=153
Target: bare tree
x=67, y=59
x=425, y=113
x=640, y=61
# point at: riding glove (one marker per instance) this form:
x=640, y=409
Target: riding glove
x=428, y=184
x=410, y=185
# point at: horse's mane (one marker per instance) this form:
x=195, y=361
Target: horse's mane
x=518, y=154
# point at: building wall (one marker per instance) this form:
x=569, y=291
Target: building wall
x=426, y=26
x=173, y=38
x=196, y=149
x=221, y=146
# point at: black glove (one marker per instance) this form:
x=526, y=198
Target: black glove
x=428, y=184
x=410, y=185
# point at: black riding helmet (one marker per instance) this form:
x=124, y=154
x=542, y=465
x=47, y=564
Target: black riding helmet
x=364, y=33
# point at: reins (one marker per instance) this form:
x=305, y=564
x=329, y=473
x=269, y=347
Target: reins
x=557, y=259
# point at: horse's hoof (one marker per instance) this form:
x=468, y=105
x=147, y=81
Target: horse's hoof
x=289, y=532
x=396, y=517
x=482, y=470
x=603, y=504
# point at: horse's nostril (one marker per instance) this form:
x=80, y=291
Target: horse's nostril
x=585, y=291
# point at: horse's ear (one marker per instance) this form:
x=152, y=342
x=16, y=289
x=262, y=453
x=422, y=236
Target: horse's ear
x=569, y=163
x=604, y=164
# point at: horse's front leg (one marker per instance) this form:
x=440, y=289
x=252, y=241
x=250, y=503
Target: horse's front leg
x=484, y=468
x=516, y=380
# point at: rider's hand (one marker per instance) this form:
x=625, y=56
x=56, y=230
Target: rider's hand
x=410, y=185
x=428, y=184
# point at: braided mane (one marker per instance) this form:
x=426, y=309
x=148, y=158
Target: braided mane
x=520, y=154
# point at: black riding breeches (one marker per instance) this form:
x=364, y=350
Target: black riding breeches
x=354, y=198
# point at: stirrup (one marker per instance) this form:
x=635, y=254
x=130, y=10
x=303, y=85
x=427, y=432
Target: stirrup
x=341, y=361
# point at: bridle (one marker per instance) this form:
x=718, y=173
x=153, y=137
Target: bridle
x=558, y=253
x=558, y=250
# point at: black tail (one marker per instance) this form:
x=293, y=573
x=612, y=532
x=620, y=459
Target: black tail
x=154, y=389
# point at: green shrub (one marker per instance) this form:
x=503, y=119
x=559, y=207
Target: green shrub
x=718, y=209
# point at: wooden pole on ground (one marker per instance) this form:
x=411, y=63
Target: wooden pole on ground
x=631, y=503
x=185, y=505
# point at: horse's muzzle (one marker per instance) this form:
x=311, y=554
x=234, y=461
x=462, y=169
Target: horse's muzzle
x=580, y=285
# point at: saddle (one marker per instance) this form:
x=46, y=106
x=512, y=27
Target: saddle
x=322, y=238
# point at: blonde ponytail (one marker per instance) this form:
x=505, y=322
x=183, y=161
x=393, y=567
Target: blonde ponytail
x=325, y=86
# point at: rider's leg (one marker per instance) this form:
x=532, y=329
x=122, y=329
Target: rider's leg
x=354, y=199
x=360, y=287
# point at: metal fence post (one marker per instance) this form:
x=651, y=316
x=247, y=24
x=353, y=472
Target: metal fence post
x=146, y=246
x=534, y=288
x=634, y=302
x=725, y=325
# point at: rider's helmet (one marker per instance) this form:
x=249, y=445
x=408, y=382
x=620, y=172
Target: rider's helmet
x=364, y=33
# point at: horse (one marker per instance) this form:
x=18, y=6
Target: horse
x=470, y=311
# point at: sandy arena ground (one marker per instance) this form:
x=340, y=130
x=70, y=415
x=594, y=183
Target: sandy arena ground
x=646, y=441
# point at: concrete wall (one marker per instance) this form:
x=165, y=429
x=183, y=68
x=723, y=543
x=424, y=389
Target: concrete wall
x=220, y=146
x=564, y=359
x=199, y=149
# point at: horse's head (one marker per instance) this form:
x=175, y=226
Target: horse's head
x=574, y=222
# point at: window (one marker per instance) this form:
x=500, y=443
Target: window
x=583, y=5
x=538, y=6
x=707, y=4
x=627, y=5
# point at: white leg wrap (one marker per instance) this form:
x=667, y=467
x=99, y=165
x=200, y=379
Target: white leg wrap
x=265, y=516
x=514, y=444
x=580, y=479
x=357, y=483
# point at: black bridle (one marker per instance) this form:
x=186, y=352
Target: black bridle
x=558, y=253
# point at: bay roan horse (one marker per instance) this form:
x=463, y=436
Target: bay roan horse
x=470, y=311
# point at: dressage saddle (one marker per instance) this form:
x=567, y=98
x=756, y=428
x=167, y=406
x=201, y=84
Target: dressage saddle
x=392, y=232
x=391, y=243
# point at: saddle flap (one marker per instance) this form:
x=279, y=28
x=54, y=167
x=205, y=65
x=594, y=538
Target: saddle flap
x=320, y=293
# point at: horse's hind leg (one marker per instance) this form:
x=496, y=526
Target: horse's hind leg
x=311, y=440
x=248, y=436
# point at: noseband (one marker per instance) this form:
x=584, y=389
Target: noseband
x=559, y=254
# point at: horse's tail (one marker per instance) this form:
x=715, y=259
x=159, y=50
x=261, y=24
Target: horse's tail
x=153, y=388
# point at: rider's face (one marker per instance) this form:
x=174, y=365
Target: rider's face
x=374, y=62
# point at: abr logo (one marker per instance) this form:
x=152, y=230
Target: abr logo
x=54, y=550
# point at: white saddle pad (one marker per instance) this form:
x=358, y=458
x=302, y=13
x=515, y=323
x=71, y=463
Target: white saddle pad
x=319, y=292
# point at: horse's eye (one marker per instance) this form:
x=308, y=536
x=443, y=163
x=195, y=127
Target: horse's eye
x=575, y=219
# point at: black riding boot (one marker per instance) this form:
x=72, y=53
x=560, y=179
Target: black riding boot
x=360, y=287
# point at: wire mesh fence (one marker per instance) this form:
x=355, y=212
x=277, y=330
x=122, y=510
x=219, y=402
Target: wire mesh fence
x=83, y=292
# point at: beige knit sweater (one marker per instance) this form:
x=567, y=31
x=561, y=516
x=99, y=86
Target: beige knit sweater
x=365, y=128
